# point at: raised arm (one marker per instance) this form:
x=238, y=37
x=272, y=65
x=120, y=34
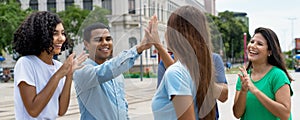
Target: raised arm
x=93, y=75
x=152, y=35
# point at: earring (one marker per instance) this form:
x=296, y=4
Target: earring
x=269, y=55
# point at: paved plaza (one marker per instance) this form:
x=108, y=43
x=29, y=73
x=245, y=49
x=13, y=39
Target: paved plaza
x=139, y=94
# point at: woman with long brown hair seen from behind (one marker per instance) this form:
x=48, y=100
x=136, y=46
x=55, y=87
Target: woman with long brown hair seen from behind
x=185, y=92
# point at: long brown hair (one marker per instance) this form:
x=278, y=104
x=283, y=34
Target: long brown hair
x=189, y=39
x=276, y=58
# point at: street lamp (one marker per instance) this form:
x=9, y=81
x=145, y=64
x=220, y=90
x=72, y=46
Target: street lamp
x=292, y=27
x=141, y=32
x=292, y=35
x=245, y=48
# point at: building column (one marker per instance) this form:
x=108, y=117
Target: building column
x=79, y=3
x=97, y=2
x=119, y=7
x=42, y=5
x=60, y=5
x=24, y=4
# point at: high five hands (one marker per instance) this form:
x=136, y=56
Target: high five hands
x=151, y=35
x=152, y=31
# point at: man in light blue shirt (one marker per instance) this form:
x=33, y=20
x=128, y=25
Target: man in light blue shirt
x=100, y=84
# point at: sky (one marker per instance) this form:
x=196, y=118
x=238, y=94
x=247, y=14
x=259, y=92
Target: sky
x=282, y=16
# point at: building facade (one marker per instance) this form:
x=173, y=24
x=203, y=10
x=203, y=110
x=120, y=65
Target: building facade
x=128, y=18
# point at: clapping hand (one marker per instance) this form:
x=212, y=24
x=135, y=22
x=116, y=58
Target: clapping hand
x=246, y=81
x=77, y=62
x=72, y=64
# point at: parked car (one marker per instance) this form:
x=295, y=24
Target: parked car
x=12, y=72
x=297, y=68
x=5, y=74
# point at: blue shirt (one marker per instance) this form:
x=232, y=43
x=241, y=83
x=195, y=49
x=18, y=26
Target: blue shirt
x=176, y=81
x=161, y=71
x=219, y=73
x=100, y=88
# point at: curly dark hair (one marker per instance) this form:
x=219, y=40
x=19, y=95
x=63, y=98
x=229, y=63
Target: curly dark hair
x=35, y=34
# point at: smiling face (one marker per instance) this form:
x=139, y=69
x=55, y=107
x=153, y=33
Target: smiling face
x=59, y=38
x=258, y=49
x=100, y=45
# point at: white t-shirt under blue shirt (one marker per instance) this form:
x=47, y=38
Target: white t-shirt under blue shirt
x=176, y=81
x=35, y=72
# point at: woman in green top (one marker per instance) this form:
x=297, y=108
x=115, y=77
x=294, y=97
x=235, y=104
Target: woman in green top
x=263, y=89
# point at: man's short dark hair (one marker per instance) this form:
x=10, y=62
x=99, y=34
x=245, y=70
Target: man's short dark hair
x=90, y=28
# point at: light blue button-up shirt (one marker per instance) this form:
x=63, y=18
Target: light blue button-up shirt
x=100, y=88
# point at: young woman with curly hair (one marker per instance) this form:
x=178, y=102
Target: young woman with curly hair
x=42, y=84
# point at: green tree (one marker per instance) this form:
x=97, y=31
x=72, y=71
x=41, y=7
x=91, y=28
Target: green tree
x=75, y=19
x=72, y=18
x=289, y=60
x=11, y=16
x=97, y=15
x=232, y=31
x=216, y=36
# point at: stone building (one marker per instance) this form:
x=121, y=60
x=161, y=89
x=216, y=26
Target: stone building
x=128, y=18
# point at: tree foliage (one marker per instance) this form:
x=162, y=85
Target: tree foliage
x=11, y=16
x=232, y=31
x=75, y=19
x=97, y=15
x=72, y=18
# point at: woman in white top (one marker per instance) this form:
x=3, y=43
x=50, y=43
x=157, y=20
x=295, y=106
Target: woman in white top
x=42, y=84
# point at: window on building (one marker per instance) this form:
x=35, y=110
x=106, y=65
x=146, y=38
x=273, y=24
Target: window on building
x=152, y=8
x=107, y=5
x=157, y=13
x=171, y=7
x=88, y=4
x=149, y=8
x=162, y=13
x=132, y=42
x=145, y=10
x=68, y=3
x=131, y=6
x=34, y=5
x=51, y=5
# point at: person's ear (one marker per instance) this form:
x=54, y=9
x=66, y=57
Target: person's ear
x=270, y=53
x=86, y=44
